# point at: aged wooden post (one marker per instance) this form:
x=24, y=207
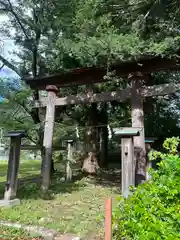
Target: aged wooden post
x=69, y=161
x=48, y=136
x=103, y=136
x=137, y=115
x=13, y=166
x=127, y=157
x=103, y=147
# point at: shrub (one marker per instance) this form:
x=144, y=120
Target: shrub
x=152, y=212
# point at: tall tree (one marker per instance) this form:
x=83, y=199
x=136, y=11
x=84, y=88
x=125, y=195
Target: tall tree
x=30, y=29
x=15, y=110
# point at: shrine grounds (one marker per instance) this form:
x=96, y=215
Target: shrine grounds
x=75, y=207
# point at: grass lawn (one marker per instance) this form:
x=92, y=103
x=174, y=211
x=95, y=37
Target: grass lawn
x=26, y=169
x=72, y=207
x=7, y=233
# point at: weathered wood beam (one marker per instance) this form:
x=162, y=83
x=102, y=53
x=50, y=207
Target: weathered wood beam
x=97, y=74
x=121, y=95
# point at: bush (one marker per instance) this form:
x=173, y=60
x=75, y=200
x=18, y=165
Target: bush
x=152, y=212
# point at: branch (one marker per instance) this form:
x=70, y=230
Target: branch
x=9, y=8
x=2, y=66
x=17, y=19
x=157, y=9
x=30, y=138
x=9, y=65
x=71, y=116
x=6, y=6
x=32, y=113
x=3, y=9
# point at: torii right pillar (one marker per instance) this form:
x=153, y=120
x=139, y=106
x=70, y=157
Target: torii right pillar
x=137, y=114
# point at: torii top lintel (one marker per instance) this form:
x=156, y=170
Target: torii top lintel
x=82, y=76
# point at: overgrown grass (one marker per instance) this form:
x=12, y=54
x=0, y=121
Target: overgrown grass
x=72, y=207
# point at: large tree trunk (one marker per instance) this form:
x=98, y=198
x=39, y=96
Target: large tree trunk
x=90, y=163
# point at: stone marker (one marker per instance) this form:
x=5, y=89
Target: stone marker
x=13, y=166
x=127, y=157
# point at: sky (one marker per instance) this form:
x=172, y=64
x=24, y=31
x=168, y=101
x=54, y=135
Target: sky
x=6, y=47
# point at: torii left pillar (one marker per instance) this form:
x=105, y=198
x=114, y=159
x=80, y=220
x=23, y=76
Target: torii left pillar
x=13, y=166
x=48, y=136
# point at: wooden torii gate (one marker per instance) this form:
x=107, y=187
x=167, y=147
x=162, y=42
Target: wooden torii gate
x=137, y=73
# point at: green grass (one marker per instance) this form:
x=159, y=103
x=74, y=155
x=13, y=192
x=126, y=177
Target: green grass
x=26, y=169
x=68, y=207
x=14, y=233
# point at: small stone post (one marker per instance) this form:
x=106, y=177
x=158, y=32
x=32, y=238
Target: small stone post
x=13, y=166
x=127, y=153
x=48, y=136
x=127, y=157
